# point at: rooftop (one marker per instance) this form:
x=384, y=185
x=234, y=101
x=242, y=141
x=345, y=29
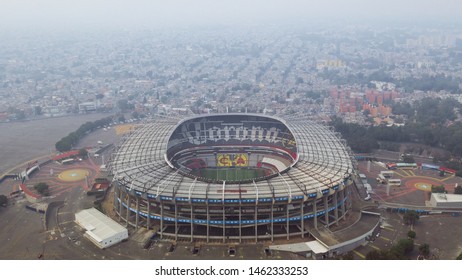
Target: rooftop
x=447, y=197
x=98, y=225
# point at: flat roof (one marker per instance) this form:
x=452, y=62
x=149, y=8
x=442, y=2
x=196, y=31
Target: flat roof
x=98, y=225
x=314, y=246
x=447, y=197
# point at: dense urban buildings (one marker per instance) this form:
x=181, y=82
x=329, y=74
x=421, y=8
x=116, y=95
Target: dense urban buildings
x=357, y=73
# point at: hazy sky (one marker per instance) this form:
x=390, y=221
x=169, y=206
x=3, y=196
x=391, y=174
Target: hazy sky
x=75, y=13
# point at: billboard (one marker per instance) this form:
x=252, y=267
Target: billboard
x=228, y=160
x=241, y=160
x=224, y=160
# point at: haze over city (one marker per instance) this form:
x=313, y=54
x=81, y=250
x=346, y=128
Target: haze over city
x=233, y=129
x=144, y=13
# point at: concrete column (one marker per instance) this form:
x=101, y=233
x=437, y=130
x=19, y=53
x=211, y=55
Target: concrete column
x=192, y=225
x=342, y=197
x=128, y=208
x=161, y=219
x=256, y=223
x=208, y=223
x=137, y=219
x=224, y=225
x=287, y=221
x=120, y=203
x=326, y=207
x=315, y=210
x=336, y=207
x=114, y=202
x=240, y=224
x=148, y=223
x=176, y=222
x=302, y=219
x=272, y=222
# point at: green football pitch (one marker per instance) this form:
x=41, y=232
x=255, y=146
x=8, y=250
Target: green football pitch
x=230, y=174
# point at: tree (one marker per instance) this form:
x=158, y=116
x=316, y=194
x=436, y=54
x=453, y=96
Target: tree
x=3, y=200
x=20, y=115
x=38, y=110
x=459, y=257
x=124, y=105
x=374, y=255
x=410, y=217
x=458, y=190
x=402, y=248
x=390, y=146
x=348, y=256
x=83, y=153
x=438, y=189
x=380, y=255
x=63, y=145
x=42, y=188
x=411, y=234
x=424, y=250
x=408, y=159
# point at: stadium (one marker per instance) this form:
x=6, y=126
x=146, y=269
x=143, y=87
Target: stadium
x=232, y=177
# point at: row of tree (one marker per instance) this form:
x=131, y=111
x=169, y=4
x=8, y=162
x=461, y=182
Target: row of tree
x=66, y=143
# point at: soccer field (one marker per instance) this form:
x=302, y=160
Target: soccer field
x=230, y=174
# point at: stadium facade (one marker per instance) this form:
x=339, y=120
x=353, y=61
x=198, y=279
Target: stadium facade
x=232, y=177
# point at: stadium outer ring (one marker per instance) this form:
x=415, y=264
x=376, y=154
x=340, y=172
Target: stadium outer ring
x=206, y=218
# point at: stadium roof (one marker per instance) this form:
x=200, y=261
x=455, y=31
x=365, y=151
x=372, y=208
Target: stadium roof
x=323, y=163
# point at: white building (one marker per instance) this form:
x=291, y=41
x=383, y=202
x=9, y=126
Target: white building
x=100, y=229
x=446, y=200
x=87, y=107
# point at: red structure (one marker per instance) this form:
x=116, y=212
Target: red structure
x=65, y=155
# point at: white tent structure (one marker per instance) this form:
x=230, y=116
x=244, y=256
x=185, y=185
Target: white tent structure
x=100, y=229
